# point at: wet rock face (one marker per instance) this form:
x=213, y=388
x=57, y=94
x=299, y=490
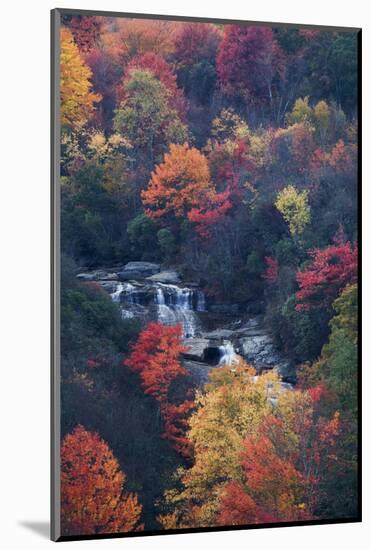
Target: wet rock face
x=146, y=293
x=97, y=276
x=259, y=348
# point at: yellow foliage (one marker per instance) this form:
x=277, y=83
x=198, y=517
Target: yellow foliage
x=294, y=208
x=232, y=409
x=77, y=99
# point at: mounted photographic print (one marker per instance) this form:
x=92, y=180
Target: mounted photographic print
x=205, y=204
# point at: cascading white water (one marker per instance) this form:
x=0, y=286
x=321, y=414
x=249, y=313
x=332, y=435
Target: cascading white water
x=175, y=306
x=129, y=293
x=227, y=355
x=117, y=293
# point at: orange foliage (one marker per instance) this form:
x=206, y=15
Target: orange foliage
x=181, y=187
x=92, y=497
x=138, y=36
x=284, y=464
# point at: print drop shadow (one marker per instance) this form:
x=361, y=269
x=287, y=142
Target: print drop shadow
x=42, y=528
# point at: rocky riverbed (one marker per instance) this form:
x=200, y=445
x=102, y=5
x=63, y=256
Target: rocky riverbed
x=145, y=291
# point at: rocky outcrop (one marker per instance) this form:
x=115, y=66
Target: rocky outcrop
x=199, y=371
x=98, y=275
x=138, y=270
x=195, y=348
x=167, y=277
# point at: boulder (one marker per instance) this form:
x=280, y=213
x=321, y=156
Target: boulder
x=138, y=270
x=259, y=349
x=98, y=275
x=86, y=276
x=198, y=371
x=168, y=276
x=195, y=348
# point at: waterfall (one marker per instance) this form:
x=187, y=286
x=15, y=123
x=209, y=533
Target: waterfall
x=227, y=355
x=175, y=305
x=129, y=295
x=117, y=293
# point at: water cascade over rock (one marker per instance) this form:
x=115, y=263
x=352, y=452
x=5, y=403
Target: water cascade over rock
x=152, y=297
x=167, y=303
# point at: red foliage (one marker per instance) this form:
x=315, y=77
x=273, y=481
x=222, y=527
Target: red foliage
x=157, y=65
x=329, y=272
x=238, y=508
x=249, y=59
x=211, y=211
x=92, y=497
x=317, y=162
x=271, y=272
x=176, y=425
x=92, y=363
x=86, y=31
x=107, y=73
x=284, y=466
x=339, y=157
x=196, y=42
x=155, y=356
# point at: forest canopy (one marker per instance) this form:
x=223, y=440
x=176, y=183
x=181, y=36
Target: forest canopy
x=227, y=155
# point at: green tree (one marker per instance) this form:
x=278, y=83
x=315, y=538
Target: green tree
x=146, y=118
x=338, y=363
x=142, y=235
x=167, y=242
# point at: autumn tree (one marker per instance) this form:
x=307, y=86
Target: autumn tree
x=156, y=64
x=329, y=271
x=248, y=63
x=86, y=30
x=232, y=408
x=196, y=46
x=291, y=149
x=301, y=112
x=294, y=208
x=93, y=500
x=180, y=187
x=138, y=36
x=322, y=119
x=271, y=272
x=285, y=464
x=146, y=118
x=155, y=357
x=77, y=99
